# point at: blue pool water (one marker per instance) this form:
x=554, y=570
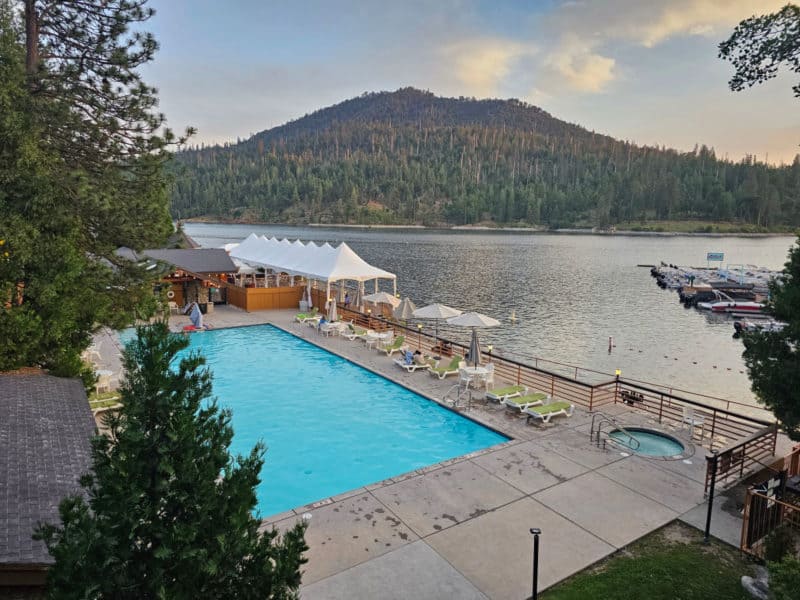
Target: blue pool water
x=330, y=426
x=651, y=443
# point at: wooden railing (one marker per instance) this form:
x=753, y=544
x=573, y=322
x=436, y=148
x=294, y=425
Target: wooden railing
x=762, y=515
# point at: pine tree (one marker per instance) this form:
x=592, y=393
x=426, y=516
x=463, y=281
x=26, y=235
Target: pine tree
x=82, y=154
x=773, y=357
x=169, y=511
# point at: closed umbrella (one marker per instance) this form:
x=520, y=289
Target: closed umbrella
x=436, y=312
x=332, y=310
x=196, y=317
x=359, y=301
x=474, y=320
x=405, y=310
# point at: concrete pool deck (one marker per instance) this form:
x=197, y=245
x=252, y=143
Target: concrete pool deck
x=460, y=529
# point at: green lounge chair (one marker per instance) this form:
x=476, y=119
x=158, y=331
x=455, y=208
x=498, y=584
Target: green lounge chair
x=520, y=403
x=354, y=331
x=451, y=369
x=395, y=346
x=548, y=411
x=303, y=317
x=510, y=391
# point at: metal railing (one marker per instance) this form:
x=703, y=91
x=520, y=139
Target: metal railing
x=751, y=437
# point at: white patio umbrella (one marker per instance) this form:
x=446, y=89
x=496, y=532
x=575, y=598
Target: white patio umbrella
x=382, y=298
x=405, y=310
x=474, y=320
x=437, y=312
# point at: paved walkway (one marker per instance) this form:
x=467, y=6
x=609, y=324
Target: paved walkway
x=460, y=529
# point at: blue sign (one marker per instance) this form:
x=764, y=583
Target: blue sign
x=719, y=256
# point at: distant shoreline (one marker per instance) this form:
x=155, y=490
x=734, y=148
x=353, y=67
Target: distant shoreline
x=485, y=228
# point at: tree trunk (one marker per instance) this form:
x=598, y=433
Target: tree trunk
x=31, y=38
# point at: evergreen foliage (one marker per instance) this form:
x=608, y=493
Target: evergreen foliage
x=411, y=157
x=761, y=44
x=757, y=47
x=169, y=511
x=773, y=357
x=81, y=174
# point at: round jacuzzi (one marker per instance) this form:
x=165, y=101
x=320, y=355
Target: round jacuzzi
x=649, y=442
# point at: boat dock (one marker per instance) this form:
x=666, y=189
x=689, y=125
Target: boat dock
x=740, y=291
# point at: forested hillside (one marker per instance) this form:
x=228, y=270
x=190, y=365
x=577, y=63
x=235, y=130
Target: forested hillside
x=410, y=157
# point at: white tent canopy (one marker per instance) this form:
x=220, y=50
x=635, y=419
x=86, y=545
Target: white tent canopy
x=323, y=263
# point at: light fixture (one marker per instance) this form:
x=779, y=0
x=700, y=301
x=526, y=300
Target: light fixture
x=618, y=372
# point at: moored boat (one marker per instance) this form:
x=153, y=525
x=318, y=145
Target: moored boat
x=734, y=306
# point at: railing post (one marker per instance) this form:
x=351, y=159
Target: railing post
x=713, y=426
x=519, y=374
x=660, y=407
x=744, y=455
x=591, y=398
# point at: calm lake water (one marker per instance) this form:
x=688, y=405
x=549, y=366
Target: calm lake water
x=570, y=294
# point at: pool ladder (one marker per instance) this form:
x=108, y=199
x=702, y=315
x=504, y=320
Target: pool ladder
x=595, y=435
x=456, y=394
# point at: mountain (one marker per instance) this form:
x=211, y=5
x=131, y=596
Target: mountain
x=411, y=157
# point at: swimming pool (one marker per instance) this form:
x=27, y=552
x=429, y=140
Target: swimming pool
x=649, y=442
x=330, y=426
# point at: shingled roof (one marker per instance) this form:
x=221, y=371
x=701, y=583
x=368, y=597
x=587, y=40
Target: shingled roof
x=196, y=260
x=45, y=428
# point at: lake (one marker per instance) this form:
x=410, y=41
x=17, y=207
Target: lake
x=569, y=292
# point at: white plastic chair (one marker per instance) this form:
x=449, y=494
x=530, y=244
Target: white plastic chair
x=488, y=379
x=694, y=420
x=173, y=308
x=103, y=382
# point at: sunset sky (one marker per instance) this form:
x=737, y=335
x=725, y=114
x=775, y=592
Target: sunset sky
x=642, y=70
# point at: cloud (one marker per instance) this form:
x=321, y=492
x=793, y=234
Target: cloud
x=581, y=68
x=580, y=31
x=482, y=65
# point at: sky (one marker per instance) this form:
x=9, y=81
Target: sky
x=640, y=70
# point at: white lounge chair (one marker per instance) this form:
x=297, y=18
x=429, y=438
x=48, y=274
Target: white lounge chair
x=413, y=365
x=303, y=317
x=548, y=411
x=355, y=332
x=443, y=371
x=396, y=345
x=520, y=403
x=509, y=391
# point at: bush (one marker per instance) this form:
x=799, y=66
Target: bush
x=778, y=544
x=784, y=578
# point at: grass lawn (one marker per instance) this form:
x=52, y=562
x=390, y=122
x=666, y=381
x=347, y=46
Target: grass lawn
x=670, y=564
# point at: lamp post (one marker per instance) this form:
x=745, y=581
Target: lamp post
x=713, y=460
x=489, y=349
x=419, y=336
x=536, y=533
x=369, y=318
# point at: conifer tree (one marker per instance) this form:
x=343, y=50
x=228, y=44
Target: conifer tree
x=168, y=511
x=773, y=357
x=82, y=154
x=757, y=48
